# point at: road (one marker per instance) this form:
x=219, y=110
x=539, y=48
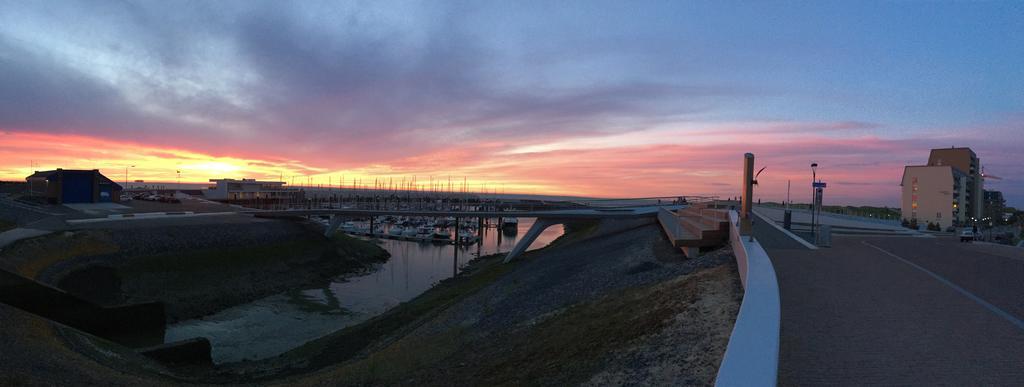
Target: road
x=899, y=311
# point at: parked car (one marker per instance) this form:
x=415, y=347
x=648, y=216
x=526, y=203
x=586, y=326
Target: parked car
x=966, y=235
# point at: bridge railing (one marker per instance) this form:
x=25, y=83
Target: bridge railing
x=752, y=357
x=645, y=201
x=843, y=214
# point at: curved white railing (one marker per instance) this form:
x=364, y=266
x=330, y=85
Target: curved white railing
x=752, y=357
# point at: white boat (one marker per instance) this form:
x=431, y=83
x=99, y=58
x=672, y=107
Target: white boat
x=466, y=236
x=424, y=231
x=348, y=226
x=396, y=230
x=442, y=234
x=409, y=232
x=509, y=222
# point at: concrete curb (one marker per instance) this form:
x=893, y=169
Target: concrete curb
x=109, y=322
x=194, y=351
x=148, y=215
x=17, y=234
x=752, y=357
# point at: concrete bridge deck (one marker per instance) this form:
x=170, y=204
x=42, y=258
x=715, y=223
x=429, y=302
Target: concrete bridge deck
x=898, y=311
x=581, y=213
x=545, y=219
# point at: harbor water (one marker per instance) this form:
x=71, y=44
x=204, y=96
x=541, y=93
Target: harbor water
x=273, y=325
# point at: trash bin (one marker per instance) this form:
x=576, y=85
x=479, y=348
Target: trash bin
x=787, y=220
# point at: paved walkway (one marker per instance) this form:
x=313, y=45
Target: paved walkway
x=900, y=311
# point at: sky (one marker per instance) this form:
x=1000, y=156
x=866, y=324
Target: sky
x=589, y=98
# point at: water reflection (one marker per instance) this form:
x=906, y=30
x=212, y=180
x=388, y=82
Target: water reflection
x=273, y=325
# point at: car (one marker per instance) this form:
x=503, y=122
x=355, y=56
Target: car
x=966, y=235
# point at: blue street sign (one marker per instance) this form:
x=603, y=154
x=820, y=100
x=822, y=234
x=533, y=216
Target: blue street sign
x=820, y=184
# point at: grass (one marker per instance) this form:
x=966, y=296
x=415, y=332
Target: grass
x=386, y=329
x=220, y=259
x=344, y=344
x=564, y=348
x=245, y=258
x=569, y=346
x=7, y=225
x=34, y=255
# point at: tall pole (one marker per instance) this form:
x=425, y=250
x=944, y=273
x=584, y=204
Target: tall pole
x=748, y=194
x=814, y=198
x=789, y=183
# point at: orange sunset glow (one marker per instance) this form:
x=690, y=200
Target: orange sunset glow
x=314, y=102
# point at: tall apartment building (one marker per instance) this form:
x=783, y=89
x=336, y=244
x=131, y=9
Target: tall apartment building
x=947, y=191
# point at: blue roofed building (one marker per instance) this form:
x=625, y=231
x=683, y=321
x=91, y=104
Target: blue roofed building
x=62, y=186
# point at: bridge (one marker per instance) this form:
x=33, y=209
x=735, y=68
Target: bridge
x=545, y=218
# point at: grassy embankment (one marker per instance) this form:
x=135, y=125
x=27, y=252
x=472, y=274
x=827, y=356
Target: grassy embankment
x=568, y=347
x=6, y=225
x=341, y=346
x=218, y=261
x=29, y=257
x=193, y=282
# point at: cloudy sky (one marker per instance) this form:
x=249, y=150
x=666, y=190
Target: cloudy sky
x=620, y=99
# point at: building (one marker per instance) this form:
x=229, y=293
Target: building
x=231, y=190
x=947, y=191
x=968, y=163
x=62, y=186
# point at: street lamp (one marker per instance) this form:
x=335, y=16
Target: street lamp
x=126, y=176
x=814, y=178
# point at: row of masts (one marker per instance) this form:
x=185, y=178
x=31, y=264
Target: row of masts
x=408, y=185
x=376, y=199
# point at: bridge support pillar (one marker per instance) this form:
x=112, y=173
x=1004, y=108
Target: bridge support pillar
x=333, y=226
x=538, y=227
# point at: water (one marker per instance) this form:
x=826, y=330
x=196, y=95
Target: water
x=273, y=325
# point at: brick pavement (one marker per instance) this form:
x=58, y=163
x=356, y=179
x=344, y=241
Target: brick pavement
x=855, y=315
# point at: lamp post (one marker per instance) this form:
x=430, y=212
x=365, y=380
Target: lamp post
x=814, y=192
x=126, y=176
